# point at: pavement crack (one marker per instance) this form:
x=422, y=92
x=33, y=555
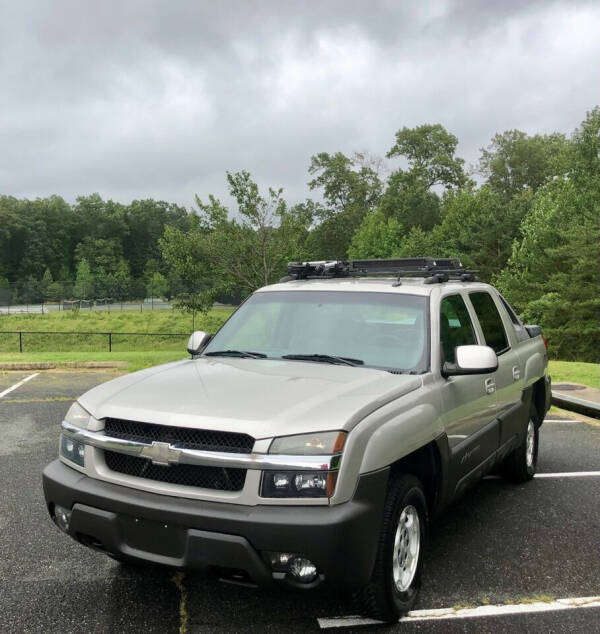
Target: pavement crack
x=177, y=579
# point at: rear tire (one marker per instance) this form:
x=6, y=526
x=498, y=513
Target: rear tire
x=520, y=464
x=396, y=577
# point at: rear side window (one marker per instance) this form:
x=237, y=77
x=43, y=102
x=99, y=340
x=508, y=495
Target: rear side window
x=520, y=331
x=490, y=321
x=511, y=313
x=456, y=328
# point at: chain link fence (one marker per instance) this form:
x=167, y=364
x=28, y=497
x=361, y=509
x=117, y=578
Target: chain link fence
x=108, y=294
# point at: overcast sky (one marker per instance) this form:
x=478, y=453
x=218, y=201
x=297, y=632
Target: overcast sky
x=137, y=99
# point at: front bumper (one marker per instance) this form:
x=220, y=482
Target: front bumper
x=183, y=533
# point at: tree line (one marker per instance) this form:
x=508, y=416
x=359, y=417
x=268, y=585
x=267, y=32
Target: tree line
x=527, y=216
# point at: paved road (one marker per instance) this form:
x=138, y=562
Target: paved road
x=500, y=543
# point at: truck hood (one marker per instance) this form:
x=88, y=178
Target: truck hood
x=260, y=397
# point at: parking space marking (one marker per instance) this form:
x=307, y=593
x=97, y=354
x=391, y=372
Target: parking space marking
x=564, y=474
x=569, y=474
x=17, y=385
x=571, y=603
x=562, y=420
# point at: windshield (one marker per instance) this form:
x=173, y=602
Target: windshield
x=385, y=330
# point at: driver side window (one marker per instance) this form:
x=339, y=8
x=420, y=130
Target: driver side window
x=456, y=328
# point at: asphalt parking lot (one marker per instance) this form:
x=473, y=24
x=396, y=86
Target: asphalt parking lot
x=500, y=544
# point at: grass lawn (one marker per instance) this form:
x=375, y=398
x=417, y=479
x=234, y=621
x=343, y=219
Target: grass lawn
x=158, y=321
x=575, y=372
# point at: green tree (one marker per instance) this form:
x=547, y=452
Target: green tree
x=411, y=196
x=55, y=292
x=146, y=221
x=552, y=275
x=377, y=237
x=34, y=236
x=478, y=227
x=408, y=199
x=84, y=281
x=417, y=243
x=103, y=255
x=31, y=291
x=515, y=161
x=351, y=188
x=47, y=280
x=157, y=285
x=430, y=153
x=244, y=252
x=253, y=251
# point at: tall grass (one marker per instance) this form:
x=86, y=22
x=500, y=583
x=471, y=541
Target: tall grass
x=158, y=321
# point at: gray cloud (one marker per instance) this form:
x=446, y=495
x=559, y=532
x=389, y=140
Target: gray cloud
x=147, y=98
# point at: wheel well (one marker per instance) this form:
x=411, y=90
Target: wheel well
x=424, y=464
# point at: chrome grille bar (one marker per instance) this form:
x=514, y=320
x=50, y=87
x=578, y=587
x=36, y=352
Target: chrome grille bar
x=165, y=454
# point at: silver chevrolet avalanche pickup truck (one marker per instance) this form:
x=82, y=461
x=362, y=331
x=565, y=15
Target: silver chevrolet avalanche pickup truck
x=314, y=437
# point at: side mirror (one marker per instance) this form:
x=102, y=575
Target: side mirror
x=197, y=341
x=472, y=360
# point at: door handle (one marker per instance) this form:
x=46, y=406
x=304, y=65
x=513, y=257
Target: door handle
x=516, y=372
x=490, y=386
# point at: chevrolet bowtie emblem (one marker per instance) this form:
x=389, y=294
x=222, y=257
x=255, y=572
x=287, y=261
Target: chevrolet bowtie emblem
x=161, y=453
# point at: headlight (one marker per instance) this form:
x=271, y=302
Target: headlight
x=71, y=449
x=304, y=484
x=77, y=416
x=326, y=443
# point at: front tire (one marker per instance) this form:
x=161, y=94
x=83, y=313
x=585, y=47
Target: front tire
x=521, y=464
x=396, y=578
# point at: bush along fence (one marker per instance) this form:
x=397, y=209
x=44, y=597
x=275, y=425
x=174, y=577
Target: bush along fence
x=25, y=341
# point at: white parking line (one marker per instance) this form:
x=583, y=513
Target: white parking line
x=569, y=474
x=564, y=474
x=571, y=603
x=561, y=420
x=16, y=385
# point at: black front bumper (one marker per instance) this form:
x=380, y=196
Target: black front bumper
x=183, y=533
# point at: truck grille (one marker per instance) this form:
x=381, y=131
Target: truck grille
x=216, y=478
x=204, y=439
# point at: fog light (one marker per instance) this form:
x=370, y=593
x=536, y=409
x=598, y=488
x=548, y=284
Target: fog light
x=303, y=569
x=279, y=561
x=62, y=517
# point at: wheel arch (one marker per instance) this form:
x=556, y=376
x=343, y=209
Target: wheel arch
x=538, y=398
x=428, y=465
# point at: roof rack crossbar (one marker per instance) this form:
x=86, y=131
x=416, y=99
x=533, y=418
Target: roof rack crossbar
x=433, y=269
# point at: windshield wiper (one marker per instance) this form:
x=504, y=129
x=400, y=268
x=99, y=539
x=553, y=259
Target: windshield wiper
x=323, y=358
x=244, y=354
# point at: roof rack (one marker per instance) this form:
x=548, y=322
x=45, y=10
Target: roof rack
x=434, y=270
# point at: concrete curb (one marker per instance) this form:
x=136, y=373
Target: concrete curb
x=574, y=404
x=45, y=365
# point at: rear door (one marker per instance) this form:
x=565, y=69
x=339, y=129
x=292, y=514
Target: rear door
x=469, y=402
x=509, y=376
